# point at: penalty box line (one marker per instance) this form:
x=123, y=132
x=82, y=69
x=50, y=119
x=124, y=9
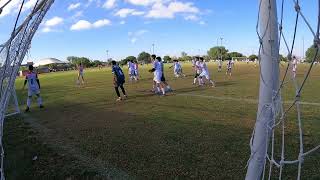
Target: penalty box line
x=251, y=101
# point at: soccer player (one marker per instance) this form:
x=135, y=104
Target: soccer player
x=131, y=70
x=118, y=80
x=197, y=70
x=219, y=65
x=205, y=71
x=157, y=79
x=136, y=70
x=33, y=88
x=294, y=66
x=229, y=68
x=163, y=79
x=80, y=74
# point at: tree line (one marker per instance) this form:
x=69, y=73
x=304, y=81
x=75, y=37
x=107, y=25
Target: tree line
x=214, y=53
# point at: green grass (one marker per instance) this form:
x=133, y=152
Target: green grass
x=84, y=133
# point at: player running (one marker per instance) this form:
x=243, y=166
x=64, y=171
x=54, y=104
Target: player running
x=33, y=88
x=158, y=76
x=205, y=72
x=131, y=70
x=136, y=70
x=294, y=66
x=197, y=69
x=219, y=65
x=177, y=69
x=229, y=68
x=80, y=74
x=118, y=80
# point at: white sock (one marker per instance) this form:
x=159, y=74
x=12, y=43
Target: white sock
x=195, y=80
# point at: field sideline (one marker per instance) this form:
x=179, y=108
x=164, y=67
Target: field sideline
x=193, y=133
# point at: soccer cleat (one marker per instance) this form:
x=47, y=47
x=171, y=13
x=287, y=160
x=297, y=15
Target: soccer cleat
x=125, y=97
x=27, y=109
x=119, y=99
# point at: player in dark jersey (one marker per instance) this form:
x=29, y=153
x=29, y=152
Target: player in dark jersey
x=118, y=80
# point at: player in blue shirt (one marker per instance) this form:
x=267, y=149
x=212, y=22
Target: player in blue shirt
x=118, y=80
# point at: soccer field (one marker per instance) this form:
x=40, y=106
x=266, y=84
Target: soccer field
x=193, y=133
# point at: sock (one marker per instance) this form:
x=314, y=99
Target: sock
x=28, y=101
x=195, y=80
x=163, y=91
x=39, y=101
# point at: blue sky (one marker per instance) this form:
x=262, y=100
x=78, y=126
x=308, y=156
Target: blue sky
x=127, y=27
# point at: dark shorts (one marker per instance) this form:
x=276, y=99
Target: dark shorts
x=197, y=75
x=120, y=82
x=163, y=79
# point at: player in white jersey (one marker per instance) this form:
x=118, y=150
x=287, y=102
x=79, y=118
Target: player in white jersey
x=229, y=68
x=33, y=88
x=131, y=70
x=294, y=66
x=197, y=70
x=136, y=70
x=219, y=65
x=205, y=71
x=80, y=74
x=158, y=75
x=177, y=69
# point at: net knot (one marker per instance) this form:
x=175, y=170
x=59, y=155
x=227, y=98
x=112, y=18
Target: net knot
x=280, y=27
x=297, y=7
x=298, y=97
x=316, y=42
x=301, y=158
x=289, y=56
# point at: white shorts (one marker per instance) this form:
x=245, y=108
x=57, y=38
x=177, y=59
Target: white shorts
x=32, y=92
x=132, y=72
x=157, y=78
x=205, y=74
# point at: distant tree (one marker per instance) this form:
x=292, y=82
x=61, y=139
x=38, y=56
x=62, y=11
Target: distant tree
x=217, y=51
x=283, y=58
x=77, y=60
x=185, y=58
x=96, y=63
x=144, y=57
x=253, y=57
x=127, y=59
x=167, y=59
x=235, y=54
x=183, y=54
x=310, y=54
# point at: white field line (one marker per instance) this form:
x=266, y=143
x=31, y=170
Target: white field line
x=252, y=101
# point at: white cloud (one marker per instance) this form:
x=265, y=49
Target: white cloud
x=101, y=23
x=53, y=21
x=146, y=2
x=14, y=6
x=191, y=18
x=77, y=14
x=160, y=10
x=109, y=4
x=122, y=22
x=134, y=36
x=123, y=13
x=202, y=23
x=83, y=24
x=50, y=24
x=74, y=6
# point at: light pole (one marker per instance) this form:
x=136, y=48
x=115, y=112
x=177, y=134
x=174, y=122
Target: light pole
x=107, y=55
x=153, y=48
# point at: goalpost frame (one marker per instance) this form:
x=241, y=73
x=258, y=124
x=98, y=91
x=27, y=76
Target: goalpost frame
x=269, y=86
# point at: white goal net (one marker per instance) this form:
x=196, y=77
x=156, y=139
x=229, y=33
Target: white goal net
x=269, y=156
x=12, y=53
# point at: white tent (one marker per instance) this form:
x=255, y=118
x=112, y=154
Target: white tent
x=48, y=61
